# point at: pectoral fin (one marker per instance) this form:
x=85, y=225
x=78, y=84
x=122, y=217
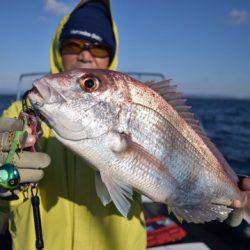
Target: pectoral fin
x=119, y=193
x=101, y=190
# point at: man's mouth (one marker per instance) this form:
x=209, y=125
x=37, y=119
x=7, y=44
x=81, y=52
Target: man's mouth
x=85, y=65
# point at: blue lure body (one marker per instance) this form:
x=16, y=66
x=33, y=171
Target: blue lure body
x=9, y=176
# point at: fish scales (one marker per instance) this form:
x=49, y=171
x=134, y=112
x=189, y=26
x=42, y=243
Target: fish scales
x=148, y=98
x=190, y=162
x=142, y=175
x=191, y=143
x=181, y=161
x=160, y=140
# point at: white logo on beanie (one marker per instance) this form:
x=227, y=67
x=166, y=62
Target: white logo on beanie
x=87, y=34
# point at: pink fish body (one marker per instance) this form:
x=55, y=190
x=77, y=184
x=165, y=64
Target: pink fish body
x=139, y=137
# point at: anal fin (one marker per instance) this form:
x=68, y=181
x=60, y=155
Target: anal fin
x=201, y=214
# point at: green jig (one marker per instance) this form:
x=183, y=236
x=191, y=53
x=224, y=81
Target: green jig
x=9, y=175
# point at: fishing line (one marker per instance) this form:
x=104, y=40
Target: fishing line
x=34, y=122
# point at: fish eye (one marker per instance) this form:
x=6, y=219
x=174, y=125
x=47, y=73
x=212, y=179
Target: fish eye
x=89, y=83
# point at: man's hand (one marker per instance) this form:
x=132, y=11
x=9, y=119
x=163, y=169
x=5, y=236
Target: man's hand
x=245, y=184
x=235, y=217
x=30, y=164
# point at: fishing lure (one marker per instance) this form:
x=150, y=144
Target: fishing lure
x=9, y=175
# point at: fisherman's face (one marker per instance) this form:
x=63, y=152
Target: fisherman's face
x=83, y=59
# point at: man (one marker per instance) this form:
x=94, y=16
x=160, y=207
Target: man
x=72, y=214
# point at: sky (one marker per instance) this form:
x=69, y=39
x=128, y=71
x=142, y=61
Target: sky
x=203, y=45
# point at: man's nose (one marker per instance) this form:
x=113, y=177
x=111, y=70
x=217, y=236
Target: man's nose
x=85, y=55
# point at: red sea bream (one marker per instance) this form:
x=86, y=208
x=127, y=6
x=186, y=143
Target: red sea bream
x=139, y=137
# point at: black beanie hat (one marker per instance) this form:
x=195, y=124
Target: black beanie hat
x=91, y=22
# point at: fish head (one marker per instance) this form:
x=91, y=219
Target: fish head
x=79, y=104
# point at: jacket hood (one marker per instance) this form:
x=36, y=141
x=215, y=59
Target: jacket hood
x=55, y=56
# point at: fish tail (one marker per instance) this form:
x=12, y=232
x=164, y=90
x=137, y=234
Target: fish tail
x=246, y=215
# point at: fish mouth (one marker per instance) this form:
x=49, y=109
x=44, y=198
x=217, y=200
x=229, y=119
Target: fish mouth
x=43, y=93
x=41, y=90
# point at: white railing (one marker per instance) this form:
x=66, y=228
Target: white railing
x=26, y=79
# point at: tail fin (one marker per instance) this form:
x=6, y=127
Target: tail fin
x=246, y=215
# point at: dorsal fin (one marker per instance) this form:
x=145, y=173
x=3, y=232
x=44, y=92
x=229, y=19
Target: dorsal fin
x=175, y=99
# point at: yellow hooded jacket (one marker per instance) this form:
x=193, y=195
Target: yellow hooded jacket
x=72, y=214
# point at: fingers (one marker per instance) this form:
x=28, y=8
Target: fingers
x=235, y=217
x=7, y=194
x=29, y=164
x=30, y=175
x=26, y=176
x=5, y=141
x=33, y=160
x=27, y=140
x=237, y=204
x=11, y=124
x=246, y=184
